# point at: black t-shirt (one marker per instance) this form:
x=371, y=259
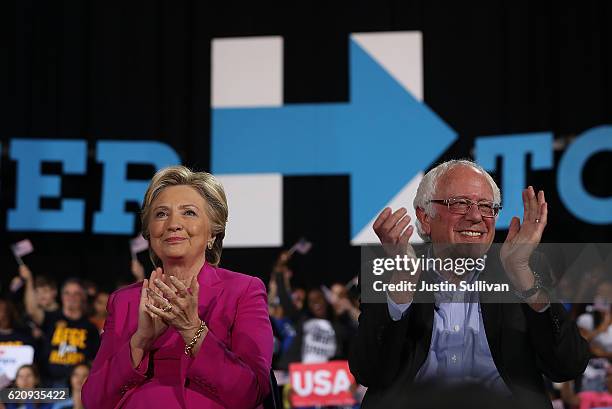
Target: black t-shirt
x=68, y=343
x=16, y=337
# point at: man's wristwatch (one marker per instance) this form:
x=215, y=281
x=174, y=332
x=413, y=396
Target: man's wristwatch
x=537, y=286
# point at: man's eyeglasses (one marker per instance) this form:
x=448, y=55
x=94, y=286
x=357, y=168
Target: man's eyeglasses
x=462, y=206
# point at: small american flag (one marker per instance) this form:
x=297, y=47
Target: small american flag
x=352, y=283
x=138, y=244
x=330, y=297
x=22, y=248
x=303, y=246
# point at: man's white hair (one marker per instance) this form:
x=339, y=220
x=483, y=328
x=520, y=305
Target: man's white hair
x=427, y=188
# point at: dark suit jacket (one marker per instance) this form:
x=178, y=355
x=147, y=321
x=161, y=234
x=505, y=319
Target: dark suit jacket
x=524, y=344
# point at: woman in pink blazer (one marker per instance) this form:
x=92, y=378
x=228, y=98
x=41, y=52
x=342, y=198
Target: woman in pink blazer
x=194, y=335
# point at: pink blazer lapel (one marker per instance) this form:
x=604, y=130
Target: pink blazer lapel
x=126, y=322
x=210, y=291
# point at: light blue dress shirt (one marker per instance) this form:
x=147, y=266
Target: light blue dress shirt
x=459, y=351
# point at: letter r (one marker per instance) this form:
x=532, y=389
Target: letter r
x=117, y=189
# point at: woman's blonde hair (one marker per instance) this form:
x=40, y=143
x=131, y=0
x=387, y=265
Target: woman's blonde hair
x=208, y=187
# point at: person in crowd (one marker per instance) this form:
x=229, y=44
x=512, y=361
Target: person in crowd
x=99, y=313
x=11, y=332
x=91, y=289
x=343, y=305
x=282, y=274
x=505, y=346
x=588, y=399
x=595, y=326
x=69, y=338
x=27, y=377
x=583, y=287
x=282, y=325
x=91, y=292
x=193, y=332
x=298, y=297
x=46, y=293
x=315, y=333
x=78, y=376
x=320, y=336
x=137, y=270
x=39, y=292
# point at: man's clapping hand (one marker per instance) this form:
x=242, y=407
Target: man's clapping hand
x=394, y=231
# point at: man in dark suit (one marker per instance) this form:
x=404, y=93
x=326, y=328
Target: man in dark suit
x=418, y=337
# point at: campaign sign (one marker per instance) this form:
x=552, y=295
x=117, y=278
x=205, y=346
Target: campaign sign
x=11, y=358
x=329, y=383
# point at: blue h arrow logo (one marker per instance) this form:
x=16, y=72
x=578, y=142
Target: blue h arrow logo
x=382, y=138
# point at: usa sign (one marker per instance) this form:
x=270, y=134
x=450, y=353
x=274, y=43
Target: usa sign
x=329, y=383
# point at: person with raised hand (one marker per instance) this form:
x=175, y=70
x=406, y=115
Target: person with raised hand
x=505, y=346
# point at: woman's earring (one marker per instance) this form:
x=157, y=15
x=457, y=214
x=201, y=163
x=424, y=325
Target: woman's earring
x=210, y=244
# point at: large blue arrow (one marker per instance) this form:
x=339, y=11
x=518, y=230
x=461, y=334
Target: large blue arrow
x=381, y=138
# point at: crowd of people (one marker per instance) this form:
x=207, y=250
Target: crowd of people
x=64, y=333
x=309, y=325
x=65, y=336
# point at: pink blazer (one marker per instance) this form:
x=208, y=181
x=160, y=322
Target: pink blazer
x=231, y=369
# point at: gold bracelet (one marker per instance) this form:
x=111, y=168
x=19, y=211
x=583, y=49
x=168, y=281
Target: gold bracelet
x=195, y=338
